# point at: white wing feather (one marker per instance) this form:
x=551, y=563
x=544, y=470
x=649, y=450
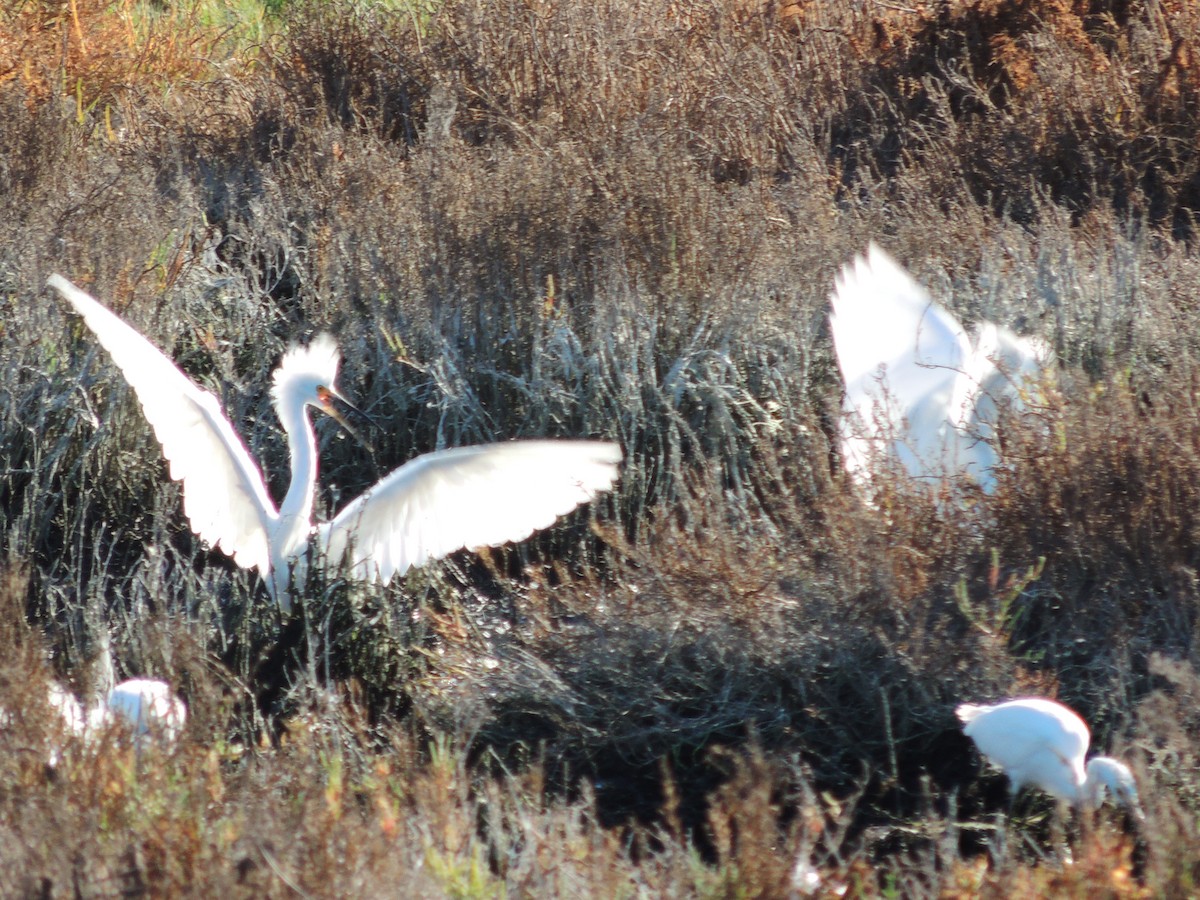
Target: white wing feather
x=464, y=498
x=901, y=356
x=882, y=317
x=917, y=386
x=224, y=495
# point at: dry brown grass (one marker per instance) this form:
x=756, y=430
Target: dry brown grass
x=96, y=52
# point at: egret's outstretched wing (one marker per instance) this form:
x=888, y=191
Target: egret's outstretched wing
x=463, y=498
x=885, y=323
x=902, y=357
x=223, y=491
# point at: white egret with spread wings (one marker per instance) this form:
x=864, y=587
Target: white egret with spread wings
x=919, y=390
x=435, y=504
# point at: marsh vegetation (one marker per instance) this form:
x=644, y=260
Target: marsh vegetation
x=615, y=220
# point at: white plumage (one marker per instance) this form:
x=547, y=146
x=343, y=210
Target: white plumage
x=427, y=508
x=145, y=708
x=148, y=707
x=75, y=718
x=468, y=496
x=1041, y=743
x=919, y=391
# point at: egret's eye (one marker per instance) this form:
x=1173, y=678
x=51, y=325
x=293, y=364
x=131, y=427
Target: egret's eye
x=324, y=395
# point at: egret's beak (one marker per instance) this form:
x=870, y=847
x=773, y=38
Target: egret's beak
x=326, y=396
x=1128, y=798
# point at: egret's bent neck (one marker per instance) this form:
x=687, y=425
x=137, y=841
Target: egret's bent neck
x=1105, y=773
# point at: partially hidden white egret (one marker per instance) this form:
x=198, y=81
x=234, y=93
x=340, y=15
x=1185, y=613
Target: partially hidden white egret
x=149, y=707
x=433, y=505
x=146, y=708
x=1042, y=743
x=919, y=390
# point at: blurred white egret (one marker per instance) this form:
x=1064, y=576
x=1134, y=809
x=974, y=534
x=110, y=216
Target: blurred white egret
x=918, y=390
x=145, y=707
x=430, y=507
x=1041, y=743
x=148, y=707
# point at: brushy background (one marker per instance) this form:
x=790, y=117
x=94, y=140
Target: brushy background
x=618, y=219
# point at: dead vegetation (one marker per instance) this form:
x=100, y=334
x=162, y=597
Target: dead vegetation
x=548, y=219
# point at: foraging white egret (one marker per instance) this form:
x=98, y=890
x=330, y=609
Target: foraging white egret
x=918, y=389
x=145, y=707
x=431, y=506
x=148, y=706
x=1041, y=743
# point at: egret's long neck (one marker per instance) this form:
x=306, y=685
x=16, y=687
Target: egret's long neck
x=1105, y=773
x=297, y=506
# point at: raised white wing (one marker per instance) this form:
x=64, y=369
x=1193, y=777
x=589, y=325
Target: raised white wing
x=884, y=323
x=902, y=357
x=918, y=389
x=464, y=498
x=223, y=491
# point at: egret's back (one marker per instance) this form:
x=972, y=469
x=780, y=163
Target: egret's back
x=1035, y=741
x=149, y=707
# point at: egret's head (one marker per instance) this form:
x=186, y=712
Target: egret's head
x=307, y=374
x=1104, y=773
x=306, y=377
